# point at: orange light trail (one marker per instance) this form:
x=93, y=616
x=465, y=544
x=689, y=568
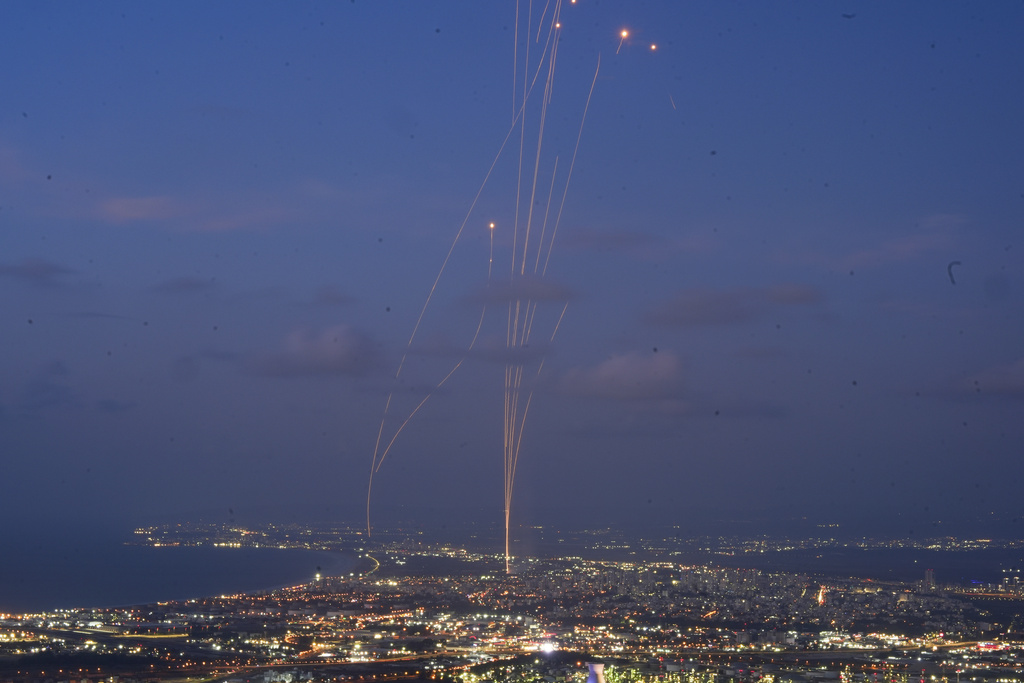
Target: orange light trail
x=622, y=38
x=529, y=243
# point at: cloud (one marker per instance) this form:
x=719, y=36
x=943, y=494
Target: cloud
x=238, y=220
x=770, y=353
x=132, y=209
x=42, y=394
x=792, y=295
x=626, y=377
x=11, y=168
x=328, y=295
x=200, y=215
x=706, y=307
x=185, y=285
x=646, y=245
x=945, y=222
x=36, y=272
x=100, y=315
x=55, y=368
x=490, y=349
x=742, y=408
x=1002, y=380
x=339, y=350
x=902, y=249
x=47, y=390
x=187, y=367
x=526, y=288
x=933, y=233
x=613, y=240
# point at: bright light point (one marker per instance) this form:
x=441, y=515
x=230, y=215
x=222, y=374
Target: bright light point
x=653, y=47
x=492, y=226
x=625, y=33
x=548, y=647
x=558, y=24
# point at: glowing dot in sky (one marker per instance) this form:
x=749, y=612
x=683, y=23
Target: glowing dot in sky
x=492, y=226
x=624, y=34
x=558, y=24
x=653, y=47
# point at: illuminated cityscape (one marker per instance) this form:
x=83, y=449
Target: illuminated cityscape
x=596, y=341
x=432, y=611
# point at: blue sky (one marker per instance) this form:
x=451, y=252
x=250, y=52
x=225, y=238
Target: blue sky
x=219, y=225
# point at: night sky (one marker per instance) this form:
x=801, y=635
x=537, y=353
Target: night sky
x=790, y=247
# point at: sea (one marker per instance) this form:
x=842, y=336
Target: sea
x=54, y=571
x=964, y=568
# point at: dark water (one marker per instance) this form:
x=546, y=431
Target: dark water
x=894, y=564
x=42, y=573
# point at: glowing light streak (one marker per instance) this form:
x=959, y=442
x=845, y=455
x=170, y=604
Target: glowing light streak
x=527, y=247
x=378, y=455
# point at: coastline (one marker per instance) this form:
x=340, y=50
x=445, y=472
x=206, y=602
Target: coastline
x=101, y=574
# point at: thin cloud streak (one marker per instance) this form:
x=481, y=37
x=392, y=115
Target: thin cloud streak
x=934, y=233
x=339, y=350
x=1004, y=381
x=185, y=285
x=718, y=307
x=626, y=377
x=36, y=272
x=138, y=209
